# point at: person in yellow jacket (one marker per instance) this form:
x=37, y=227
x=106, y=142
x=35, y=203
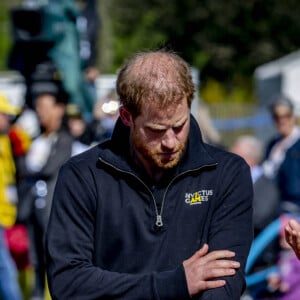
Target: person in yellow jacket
x=9, y=286
x=8, y=194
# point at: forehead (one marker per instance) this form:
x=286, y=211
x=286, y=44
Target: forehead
x=282, y=108
x=45, y=98
x=165, y=115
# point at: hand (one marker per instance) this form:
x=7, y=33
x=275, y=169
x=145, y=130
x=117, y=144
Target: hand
x=203, y=268
x=292, y=236
x=273, y=281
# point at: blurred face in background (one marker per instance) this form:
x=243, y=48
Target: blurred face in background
x=77, y=126
x=49, y=112
x=284, y=119
x=4, y=123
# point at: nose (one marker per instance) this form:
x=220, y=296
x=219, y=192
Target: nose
x=169, y=139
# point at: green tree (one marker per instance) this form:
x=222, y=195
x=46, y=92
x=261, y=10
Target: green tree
x=5, y=31
x=224, y=39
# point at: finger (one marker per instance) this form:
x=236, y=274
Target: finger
x=294, y=225
x=295, y=244
x=288, y=234
x=226, y=264
x=288, y=229
x=199, y=286
x=212, y=284
x=293, y=239
x=292, y=236
x=200, y=253
x=219, y=254
x=213, y=273
x=290, y=239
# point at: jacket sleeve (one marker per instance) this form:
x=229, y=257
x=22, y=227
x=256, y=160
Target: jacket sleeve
x=232, y=227
x=70, y=250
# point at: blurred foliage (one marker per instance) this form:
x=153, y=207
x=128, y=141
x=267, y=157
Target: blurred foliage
x=213, y=91
x=5, y=39
x=5, y=31
x=220, y=38
x=225, y=40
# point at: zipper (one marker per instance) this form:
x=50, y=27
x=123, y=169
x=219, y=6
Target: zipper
x=159, y=221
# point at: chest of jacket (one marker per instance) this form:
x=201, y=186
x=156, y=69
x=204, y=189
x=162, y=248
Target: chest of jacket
x=128, y=213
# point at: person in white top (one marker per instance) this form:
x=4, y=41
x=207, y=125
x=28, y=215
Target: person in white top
x=266, y=193
x=282, y=161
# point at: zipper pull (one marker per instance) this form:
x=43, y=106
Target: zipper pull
x=159, y=222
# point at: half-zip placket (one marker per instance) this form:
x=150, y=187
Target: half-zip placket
x=159, y=220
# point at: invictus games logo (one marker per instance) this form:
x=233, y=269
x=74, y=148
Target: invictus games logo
x=198, y=197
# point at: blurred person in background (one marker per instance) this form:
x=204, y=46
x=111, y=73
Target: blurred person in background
x=48, y=151
x=266, y=194
x=265, y=202
x=78, y=126
x=284, y=283
x=89, y=88
x=91, y=74
x=28, y=122
x=105, y=115
x=9, y=285
x=210, y=134
x=282, y=160
x=20, y=137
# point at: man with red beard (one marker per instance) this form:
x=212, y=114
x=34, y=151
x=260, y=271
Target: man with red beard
x=154, y=212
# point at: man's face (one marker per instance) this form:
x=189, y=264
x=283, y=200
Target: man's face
x=284, y=120
x=159, y=136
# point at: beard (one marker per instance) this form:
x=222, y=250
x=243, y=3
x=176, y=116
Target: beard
x=158, y=158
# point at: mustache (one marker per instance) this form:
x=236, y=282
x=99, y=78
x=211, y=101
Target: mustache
x=178, y=148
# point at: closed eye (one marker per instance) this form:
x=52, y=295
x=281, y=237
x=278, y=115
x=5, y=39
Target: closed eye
x=177, y=129
x=156, y=131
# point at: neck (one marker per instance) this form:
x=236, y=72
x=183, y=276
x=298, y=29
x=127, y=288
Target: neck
x=155, y=174
x=54, y=127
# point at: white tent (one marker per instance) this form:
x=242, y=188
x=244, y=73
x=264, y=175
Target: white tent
x=279, y=76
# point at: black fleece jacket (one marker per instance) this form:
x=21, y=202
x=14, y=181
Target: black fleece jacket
x=102, y=241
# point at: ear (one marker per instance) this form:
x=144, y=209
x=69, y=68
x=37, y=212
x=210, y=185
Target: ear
x=125, y=116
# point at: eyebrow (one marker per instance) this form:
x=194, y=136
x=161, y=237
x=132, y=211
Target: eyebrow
x=179, y=123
